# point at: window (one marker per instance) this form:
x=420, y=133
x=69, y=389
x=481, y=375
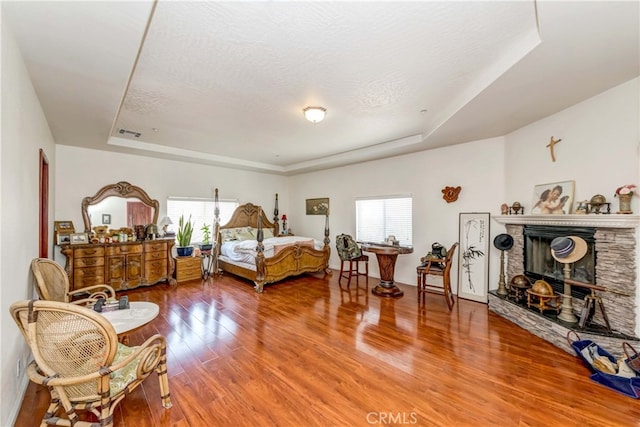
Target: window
x=201, y=211
x=377, y=218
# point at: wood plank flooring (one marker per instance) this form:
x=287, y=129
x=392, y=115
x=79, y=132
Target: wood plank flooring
x=306, y=353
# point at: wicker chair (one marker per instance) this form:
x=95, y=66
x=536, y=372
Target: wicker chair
x=440, y=267
x=78, y=358
x=53, y=284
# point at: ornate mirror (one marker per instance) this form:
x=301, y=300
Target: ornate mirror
x=119, y=205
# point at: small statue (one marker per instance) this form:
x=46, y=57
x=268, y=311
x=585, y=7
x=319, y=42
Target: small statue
x=504, y=209
x=516, y=208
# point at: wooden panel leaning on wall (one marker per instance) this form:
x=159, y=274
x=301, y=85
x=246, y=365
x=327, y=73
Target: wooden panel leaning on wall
x=123, y=266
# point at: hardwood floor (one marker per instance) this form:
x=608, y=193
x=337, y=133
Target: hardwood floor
x=305, y=353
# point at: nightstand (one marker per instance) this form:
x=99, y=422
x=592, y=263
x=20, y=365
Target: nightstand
x=188, y=268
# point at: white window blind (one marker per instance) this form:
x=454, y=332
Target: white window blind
x=377, y=218
x=201, y=211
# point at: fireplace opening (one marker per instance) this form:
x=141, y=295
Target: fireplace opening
x=539, y=264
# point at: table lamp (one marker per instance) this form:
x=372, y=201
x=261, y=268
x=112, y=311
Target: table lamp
x=568, y=250
x=284, y=224
x=164, y=223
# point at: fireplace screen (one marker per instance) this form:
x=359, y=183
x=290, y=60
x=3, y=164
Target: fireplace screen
x=540, y=264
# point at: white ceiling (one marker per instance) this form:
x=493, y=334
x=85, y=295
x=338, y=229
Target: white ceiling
x=225, y=83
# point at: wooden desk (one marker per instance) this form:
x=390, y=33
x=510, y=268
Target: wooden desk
x=386, y=256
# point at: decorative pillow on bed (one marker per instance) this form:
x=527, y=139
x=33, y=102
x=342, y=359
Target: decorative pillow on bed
x=247, y=233
x=279, y=248
x=228, y=234
x=268, y=232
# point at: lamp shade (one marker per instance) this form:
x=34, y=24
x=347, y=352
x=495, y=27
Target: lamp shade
x=314, y=114
x=284, y=217
x=165, y=221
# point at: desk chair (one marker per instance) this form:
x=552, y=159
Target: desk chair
x=349, y=252
x=436, y=267
x=76, y=355
x=53, y=284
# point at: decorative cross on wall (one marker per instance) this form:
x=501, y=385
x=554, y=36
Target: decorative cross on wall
x=551, y=144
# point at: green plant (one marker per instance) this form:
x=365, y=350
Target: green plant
x=206, y=234
x=185, y=230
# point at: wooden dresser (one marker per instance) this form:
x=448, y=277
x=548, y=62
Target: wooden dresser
x=125, y=265
x=188, y=268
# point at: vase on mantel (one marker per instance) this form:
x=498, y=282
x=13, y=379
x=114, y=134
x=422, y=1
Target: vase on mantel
x=625, y=204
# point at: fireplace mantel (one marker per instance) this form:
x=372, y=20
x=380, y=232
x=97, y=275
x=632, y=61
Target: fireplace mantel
x=593, y=220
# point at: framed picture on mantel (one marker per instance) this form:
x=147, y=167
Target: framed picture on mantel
x=473, y=256
x=555, y=198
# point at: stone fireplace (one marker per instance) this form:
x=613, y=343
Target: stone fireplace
x=613, y=263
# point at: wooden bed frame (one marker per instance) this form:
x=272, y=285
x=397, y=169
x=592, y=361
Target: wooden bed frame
x=291, y=261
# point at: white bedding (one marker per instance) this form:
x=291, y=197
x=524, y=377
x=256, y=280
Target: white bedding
x=245, y=250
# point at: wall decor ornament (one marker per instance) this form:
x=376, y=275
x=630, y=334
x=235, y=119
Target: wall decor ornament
x=450, y=194
x=551, y=146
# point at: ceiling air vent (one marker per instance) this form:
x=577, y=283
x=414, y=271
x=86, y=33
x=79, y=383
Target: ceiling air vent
x=129, y=132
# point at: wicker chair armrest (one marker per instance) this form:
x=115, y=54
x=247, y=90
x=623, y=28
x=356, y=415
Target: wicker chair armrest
x=149, y=354
x=95, y=291
x=34, y=374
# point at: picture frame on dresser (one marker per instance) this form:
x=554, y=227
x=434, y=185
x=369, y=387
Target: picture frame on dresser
x=63, y=239
x=473, y=256
x=79, y=238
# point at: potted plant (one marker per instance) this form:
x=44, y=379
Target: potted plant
x=185, y=230
x=206, y=244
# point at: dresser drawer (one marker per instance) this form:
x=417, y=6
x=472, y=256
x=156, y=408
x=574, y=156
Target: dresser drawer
x=155, y=246
x=188, y=268
x=88, y=262
x=88, y=252
x=148, y=256
x=88, y=276
x=155, y=270
x=124, y=250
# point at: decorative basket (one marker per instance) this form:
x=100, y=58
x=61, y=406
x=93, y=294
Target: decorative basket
x=633, y=358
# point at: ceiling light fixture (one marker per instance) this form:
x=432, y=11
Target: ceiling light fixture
x=314, y=114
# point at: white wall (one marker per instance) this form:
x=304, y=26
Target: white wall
x=82, y=172
x=24, y=132
x=599, y=148
x=476, y=167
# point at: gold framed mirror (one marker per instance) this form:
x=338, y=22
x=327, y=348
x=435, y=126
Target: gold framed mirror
x=123, y=204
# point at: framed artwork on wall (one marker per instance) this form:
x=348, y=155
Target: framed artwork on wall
x=106, y=218
x=555, y=198
x=473, y=256
x=318, y=206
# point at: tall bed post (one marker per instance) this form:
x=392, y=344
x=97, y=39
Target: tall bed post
x=216, y=228
x=326, y=241
x=260, y=267
x=276, y=219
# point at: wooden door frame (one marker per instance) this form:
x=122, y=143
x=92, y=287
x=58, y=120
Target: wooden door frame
x=43, y=208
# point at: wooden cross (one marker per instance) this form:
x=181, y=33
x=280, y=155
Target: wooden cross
x=551, y=144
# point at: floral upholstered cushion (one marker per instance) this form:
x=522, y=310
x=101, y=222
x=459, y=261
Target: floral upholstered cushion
x=122, y=377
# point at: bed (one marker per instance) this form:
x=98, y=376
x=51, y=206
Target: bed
x=250, y=247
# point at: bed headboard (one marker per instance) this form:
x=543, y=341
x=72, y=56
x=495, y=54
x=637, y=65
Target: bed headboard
x=247, y=216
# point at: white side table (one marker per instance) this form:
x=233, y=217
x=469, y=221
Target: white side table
x=140, y=313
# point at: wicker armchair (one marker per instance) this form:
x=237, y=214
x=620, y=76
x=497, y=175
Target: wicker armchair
x=78, y=358
x=53, y=284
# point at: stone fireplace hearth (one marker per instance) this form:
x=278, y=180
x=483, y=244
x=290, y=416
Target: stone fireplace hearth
x=616, y=268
